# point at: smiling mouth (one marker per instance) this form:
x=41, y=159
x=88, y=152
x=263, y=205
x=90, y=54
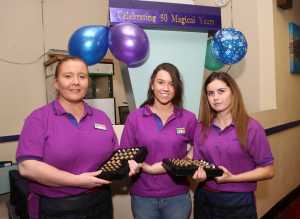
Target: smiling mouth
x=75, y=91
x=165, y=97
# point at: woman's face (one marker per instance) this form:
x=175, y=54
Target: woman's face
x=219, y=96
x=163, y=88
x=72, y=81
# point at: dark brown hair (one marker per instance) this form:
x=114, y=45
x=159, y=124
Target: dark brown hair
x=176, y=80
x=239, y=114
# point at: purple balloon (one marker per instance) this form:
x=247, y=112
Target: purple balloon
x=129, y=43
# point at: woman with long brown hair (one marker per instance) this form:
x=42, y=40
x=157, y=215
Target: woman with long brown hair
x=165, y=128
x=235, y=142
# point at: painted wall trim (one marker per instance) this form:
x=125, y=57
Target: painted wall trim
x=9, y=138
x=283, y=127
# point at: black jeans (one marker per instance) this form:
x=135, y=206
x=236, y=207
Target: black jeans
x=91, y=205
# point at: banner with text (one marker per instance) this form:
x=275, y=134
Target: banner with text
x=157, y=15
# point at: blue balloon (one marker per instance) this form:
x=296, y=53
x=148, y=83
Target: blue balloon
x=89, y=43
x=229, y=45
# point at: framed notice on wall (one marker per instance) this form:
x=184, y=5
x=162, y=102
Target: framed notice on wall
x=294, y=47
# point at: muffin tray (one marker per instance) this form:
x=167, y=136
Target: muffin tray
x=117, y=167
x=187, y=167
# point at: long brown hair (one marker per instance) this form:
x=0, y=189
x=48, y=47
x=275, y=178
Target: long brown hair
x=176, y=80
x=239, y=114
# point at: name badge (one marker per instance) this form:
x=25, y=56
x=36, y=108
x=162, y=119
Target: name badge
x=180, y=131
x=100, y=126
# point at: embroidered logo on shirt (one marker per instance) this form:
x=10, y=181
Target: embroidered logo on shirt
x=180, y=131
x=100, y=126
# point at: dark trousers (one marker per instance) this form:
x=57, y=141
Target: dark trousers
x=224, y=205
x=91, y=205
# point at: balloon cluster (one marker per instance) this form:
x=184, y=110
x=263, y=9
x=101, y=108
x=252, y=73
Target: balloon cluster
x=228, y=46
x=128, y=43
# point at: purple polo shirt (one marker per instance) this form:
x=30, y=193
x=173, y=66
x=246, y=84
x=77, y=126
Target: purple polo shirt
x=53, y=136
x=222, y=147
x=144, y=128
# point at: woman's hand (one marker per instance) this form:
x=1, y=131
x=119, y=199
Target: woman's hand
x=226, y=177
x=200, y=175
x=46, y=174
x=134, y=167
x=257, y=174
x=90, y=180
x=155, y=168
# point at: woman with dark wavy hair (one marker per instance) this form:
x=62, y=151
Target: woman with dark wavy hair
x=165, y=128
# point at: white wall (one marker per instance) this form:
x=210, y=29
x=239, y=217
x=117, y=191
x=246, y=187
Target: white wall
x=22, y=86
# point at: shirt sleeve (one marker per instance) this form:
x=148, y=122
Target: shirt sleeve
x=32, y=139
x=128, y=138
x=259, y=147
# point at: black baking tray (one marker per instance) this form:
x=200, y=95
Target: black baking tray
x=117, y=167
x=187, y=167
